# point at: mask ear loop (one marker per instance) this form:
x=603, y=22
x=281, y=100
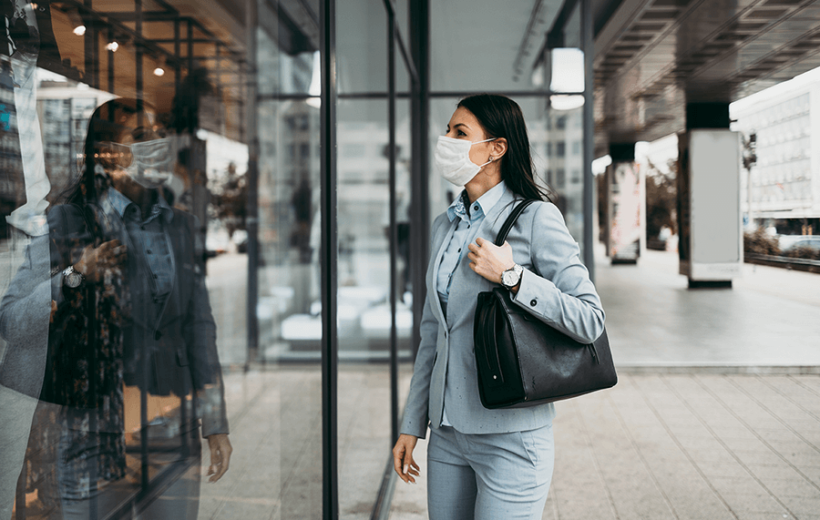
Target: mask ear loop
x=491, y=157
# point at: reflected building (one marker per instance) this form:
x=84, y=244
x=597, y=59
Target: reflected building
x=558, y=141
x=12, y=185
x=64, y=108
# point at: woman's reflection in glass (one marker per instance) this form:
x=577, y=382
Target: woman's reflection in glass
x=132, y=361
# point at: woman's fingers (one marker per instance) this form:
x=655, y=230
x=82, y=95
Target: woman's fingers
x=408, y=463
x=403, y=461
x=398, y=459
x=414, y=469
x=112, y=252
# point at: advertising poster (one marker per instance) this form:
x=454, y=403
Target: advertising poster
x=625, y=212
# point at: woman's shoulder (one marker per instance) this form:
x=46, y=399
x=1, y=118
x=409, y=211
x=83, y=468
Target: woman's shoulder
x=537, y=210
x=543, y=210
x=439, y=220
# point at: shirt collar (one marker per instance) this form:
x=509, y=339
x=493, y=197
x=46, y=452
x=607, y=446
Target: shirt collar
x=485, y=203
x=120, y=203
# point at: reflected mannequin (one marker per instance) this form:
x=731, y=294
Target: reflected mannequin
x=20, y=53
x=132, y=364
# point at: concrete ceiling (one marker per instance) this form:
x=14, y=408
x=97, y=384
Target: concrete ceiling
x=654, y=56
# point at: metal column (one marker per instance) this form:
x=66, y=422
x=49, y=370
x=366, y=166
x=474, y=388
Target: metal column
x=394, y=234
x=420, y=179
x=328, y=260
x=588, y=46
x=252, y=217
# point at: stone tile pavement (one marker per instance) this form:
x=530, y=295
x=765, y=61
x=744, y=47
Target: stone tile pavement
x=769, y=318
x=680, y=446
x=276, y=467
x=717, y=412
x=716, y=415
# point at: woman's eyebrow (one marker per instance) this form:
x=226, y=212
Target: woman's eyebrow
x=464, y=125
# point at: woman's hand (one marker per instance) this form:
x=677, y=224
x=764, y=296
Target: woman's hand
x=403, y=461
x=489, y=260
x=95, y=260
x=221, y=450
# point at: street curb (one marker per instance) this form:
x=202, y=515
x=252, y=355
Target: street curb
x=772, y=370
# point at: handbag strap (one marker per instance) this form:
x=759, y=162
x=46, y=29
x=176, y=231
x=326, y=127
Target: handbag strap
x=510, y=222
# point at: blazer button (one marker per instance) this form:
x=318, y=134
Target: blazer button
x=157, y=335
x=533, y=303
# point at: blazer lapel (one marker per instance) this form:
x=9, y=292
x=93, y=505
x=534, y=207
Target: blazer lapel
x=495, y=219
x=432, y=289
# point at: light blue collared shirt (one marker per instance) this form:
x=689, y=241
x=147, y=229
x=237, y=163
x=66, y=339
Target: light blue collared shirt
x=469, y=222
x=150, y=238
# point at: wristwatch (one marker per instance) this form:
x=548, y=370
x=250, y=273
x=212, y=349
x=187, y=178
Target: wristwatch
x=71, y=278
x=512, y=276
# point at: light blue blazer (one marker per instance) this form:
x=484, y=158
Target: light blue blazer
x=555, y=288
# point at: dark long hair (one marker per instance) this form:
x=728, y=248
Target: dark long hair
x=501, y=117
x=104, y=125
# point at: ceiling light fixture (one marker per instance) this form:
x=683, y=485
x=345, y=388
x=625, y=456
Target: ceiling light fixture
x=112, y=46
x=566, y=102
x=159, y=71
x=79, y=30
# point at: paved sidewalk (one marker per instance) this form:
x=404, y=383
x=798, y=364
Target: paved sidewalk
x=771, y=317
x=680, y=447
x=690, y=445
x=717, y=411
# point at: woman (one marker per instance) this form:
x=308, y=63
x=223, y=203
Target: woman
x=131, y=337
x=489, y=464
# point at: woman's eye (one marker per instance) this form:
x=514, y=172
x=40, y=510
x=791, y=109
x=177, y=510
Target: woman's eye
x=461, y=133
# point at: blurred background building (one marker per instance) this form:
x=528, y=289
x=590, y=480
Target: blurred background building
x=783, y=191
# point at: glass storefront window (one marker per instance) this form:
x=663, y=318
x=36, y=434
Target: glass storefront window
x=126, y=176
x=161, y=282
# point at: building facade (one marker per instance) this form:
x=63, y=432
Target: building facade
x=781, y=128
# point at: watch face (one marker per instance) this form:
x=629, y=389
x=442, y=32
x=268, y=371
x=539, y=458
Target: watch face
x=509, y=278
x=74, y=280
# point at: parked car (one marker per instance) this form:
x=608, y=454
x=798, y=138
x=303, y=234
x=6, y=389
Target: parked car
x=800, y=246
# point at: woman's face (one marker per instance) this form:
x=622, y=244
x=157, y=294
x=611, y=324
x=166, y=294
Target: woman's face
x=464, y=125
x=140, y=127
x=132, y=128
x=136, y=128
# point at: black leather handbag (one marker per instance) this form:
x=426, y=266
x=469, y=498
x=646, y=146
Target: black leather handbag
x=522, y=361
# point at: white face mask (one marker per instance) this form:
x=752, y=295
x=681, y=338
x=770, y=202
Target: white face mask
x=453, y=160
x=148, y=163
x=152, y=162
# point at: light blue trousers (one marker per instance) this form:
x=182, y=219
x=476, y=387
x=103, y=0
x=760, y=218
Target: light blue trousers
x=489, y=477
